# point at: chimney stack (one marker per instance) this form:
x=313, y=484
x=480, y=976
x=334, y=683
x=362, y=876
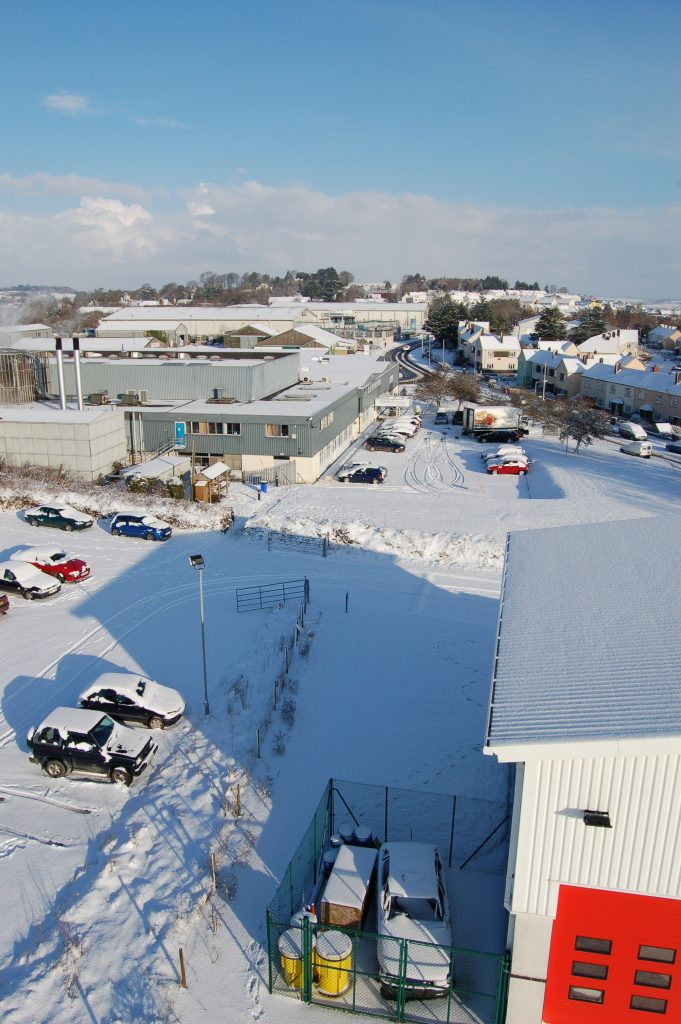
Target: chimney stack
x=60, y=375
x=76, y=366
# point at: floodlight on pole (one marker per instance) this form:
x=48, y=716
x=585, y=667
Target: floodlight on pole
x=197, y=562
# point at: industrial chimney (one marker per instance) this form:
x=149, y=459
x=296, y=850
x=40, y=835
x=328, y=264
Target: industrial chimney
x=60, y=375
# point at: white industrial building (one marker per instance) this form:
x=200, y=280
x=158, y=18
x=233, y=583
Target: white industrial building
x=586, y=702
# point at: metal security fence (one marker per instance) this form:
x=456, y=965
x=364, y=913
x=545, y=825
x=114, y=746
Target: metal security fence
x=469, y=833
x=249, y=599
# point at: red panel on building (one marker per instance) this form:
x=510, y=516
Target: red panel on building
x=615, y=959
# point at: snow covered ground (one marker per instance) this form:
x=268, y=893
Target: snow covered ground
x=102, y=885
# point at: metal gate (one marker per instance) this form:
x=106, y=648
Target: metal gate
x=250, y=599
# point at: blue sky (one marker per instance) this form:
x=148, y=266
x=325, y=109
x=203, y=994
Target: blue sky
x=151, y=141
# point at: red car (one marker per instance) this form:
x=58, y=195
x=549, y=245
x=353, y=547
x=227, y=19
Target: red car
x=55, y=562
x=517, y=467
x=4, y=604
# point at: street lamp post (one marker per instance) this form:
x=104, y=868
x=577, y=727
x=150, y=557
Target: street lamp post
x=197, y=562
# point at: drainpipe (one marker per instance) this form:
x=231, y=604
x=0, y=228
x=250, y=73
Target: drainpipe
x=76, y=366
x=60, y=375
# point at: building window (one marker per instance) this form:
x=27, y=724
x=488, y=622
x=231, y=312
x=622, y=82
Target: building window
x=627, y=392
x=326, y=421
x=586, y=970
x=215, y=428
x=276, y=430
x=652, y=979
x=658, y=398
x=612, y=389
x=585, y=944
x=232, y=428
x=649, y=1004
x=658, y=954
x=641, y=394
x=194, y=427
x=586, y=995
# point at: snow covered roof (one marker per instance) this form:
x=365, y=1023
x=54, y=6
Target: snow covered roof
x=213, y=472
x=492, y=342
x=583, y=652
x=21, y=329
x=197, y=314
x=162, y=464
x=68, y=719
x=34, y=412
x=648, y=379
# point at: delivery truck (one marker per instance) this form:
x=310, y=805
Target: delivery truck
x=482, y=419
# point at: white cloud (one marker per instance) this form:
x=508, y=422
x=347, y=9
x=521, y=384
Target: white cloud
x=161, y=122
x=252, y=226
x=68, y=103
x=75, y=185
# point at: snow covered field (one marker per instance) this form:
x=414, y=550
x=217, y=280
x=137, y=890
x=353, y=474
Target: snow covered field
x=102, y=885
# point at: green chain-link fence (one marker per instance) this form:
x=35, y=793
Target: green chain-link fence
x=469, y=832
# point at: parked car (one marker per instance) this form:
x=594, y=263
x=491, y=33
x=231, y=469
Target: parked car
x=349, y=467
x=634, y=431
x=413, y=921
x=675, y=447
x=26, y=580
x=643, y=449
x=383, y=442
x=133, y=698
x=136, y=524
x=498, y=436
x=664, y=430
x=441, y=418
x=367, y=475
x=394, y=427
x=514, y=467
x=504, y=450
x=63, y=517
x=457, y=417
x=4, y=604
x=88, y=742
x=55, y=562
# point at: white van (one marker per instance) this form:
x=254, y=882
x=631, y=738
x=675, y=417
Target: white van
x=633, y=430
x=643, y=449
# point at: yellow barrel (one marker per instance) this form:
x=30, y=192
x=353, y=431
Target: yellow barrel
x=291, y=954
x=333, y=962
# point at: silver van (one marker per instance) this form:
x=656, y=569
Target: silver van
x=643, y=449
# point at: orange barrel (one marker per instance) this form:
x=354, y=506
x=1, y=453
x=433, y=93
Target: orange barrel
x=291, y=954
x=333, y=962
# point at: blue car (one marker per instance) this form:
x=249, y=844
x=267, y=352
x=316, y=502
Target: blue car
x=136, y=524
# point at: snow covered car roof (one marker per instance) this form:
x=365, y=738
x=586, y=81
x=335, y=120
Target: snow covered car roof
x=49, y=555
x=71, y=720
x=64, y=510
x=412, y=869
x=25, y=573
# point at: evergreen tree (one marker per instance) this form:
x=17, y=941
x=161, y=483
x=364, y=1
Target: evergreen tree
x=551, y=325
x=443, y=319
x=590, y=324
x=481, y=310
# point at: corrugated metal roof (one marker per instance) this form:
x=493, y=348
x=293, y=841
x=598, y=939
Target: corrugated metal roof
x=589, y=645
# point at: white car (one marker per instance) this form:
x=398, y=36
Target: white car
x=413, y=923
x=348, y=468
x=505, y=451
x=405, y=429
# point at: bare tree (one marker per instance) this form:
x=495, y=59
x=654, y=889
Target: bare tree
x=443, y=384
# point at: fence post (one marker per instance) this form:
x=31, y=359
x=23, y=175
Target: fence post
x=307, y=591
x=213, y=871
x=324, y=546
x=183, y=970
x=347, y=599
x=286, y=661
x=257, y=742
x=307, y=961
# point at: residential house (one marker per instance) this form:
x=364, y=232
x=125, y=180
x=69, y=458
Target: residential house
x=551, y=374
x=665, y=336
x=526, y=359
x=618, y=342
x=655, y=395
x=587, y=709
x=490, y=353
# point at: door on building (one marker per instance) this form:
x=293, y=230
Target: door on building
x=615, y=958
